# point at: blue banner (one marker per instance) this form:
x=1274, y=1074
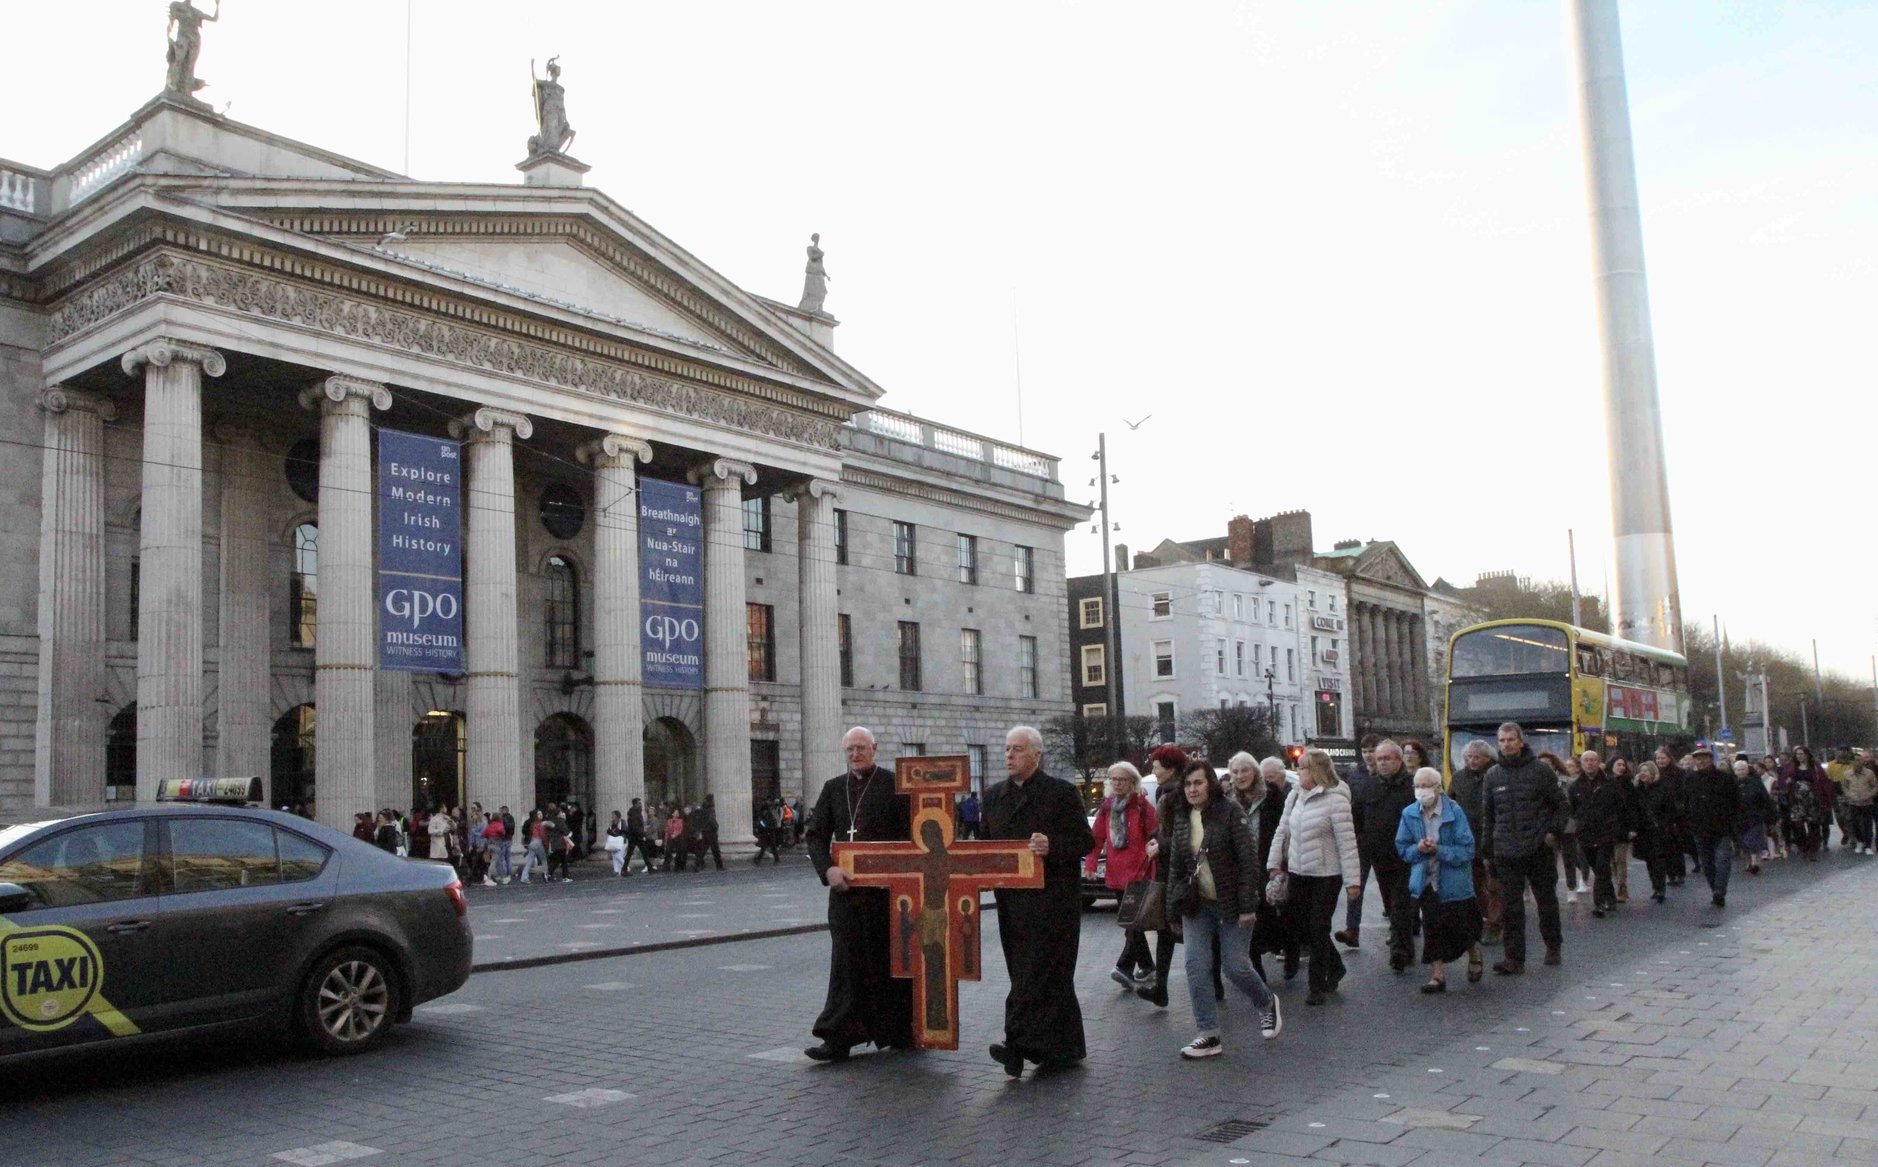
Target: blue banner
x=420, y=553
x=671, y=584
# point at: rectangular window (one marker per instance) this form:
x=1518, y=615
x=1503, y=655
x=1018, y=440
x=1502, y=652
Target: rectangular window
x=846, y=630
x=1099, y=710
x=1313, y=600
x=1291, y=664
x=912, y=749
x=1094, y=672
x=905, y=549
x=765, y=770
x=1258, y=659
x=1089, y=612
x=1219, y=655
x=971, y=660
x=909, y=656
x=1164, y=721
x=1329, y=715
x=1163, y=658
x=136, y=589
x=1025, y=561
x=756, y=523
x=1333, y=601
x=1271, y=612
x=1287, y=615
x=760, y=624
x=1163, y=605
x=1027, y=666
x=1238, y=658
x=1314, y=648
x=1238, y=606
x=968, y=559
x=303, y=587
x=560, y=611
x=841, y=537
x=979, y=760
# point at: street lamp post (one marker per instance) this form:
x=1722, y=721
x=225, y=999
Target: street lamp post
x=1271, y=698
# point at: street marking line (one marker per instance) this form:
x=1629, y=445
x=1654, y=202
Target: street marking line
x=744, y=967
x=589, y=1098
x=510, y=920
x=322, y=1154
x=593, y=926
x=609, y=987
x=449, y=1009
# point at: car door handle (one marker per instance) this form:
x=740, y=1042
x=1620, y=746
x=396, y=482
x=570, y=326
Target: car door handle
x=127, y=927
x=306, y=909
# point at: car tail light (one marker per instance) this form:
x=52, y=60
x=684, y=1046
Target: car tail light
x=455, y=892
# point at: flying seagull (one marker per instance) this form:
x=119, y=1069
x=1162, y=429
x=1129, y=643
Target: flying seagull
x=1135, y=425
x=398, y=236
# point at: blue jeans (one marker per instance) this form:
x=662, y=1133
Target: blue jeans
x=536, y=855
x=499, y=860
x=1717, y=857
x=1204, y=931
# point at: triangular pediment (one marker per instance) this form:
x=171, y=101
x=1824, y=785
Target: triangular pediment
x=1385, y=563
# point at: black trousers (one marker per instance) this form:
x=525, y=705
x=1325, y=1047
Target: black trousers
x=1393, y=881
x=710, y=844
x=1136, y=958
x=645, y=852
x=1314, y=900
x=1539, y=871
x=1603, y=879
x=557, y=857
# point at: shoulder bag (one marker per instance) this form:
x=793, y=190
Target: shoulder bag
x=1144, y=904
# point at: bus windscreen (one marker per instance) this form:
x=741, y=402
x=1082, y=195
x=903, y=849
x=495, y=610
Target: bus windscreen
x=1512, y=650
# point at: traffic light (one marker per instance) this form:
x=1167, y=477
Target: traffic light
x=1294, y=755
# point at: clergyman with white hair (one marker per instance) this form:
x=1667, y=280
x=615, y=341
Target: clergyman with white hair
x=1039, y=928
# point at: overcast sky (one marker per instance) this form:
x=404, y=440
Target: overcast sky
x=1338, y=251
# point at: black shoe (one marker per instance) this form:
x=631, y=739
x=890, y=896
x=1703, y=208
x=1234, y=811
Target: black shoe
x=1011, y=1060
x=1398, y=962
x=1291, y=966
x=1659, y=897
x=1154, y=993
x=1316, y=997
x=1348, y=937
x=1598, y=912
x=1719, y=900
x=826, y=1052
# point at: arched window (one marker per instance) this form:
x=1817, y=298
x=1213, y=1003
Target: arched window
x=564, y=761
x=561, y=613
x=304, y=586
x=120, y=756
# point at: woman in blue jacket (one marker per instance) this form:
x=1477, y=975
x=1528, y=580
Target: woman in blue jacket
x=1435, y=840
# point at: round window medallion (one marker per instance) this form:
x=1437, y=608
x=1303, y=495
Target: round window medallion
x=562, y=511
x=303, y=468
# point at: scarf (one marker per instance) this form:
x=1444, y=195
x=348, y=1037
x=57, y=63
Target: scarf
x=1118, y=824
x=1251, y=807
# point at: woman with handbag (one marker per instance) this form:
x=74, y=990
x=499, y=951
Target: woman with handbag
x=1123, y=825
x=1435, y=839
x=1315, y=847
x=1213, y=876
x=1167, y=764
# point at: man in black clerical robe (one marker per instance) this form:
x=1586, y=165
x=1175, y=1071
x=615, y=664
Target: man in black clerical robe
x=1039, y=929
x=866, y=1002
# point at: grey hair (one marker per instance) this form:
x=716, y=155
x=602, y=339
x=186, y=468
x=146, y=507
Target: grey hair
x=1027, y=734
x=1274, y=761
x=1515, y=726
x=1242, y=756
x=1389, y=743
x=1477, y=746
x=1126, y=768
x=1431, y=772
x=864, y=732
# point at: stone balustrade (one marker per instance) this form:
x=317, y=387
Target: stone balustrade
x=902, y=427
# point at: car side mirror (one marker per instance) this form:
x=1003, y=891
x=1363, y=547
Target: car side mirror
x=14, y=898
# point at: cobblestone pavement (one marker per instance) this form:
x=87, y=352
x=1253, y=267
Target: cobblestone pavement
x=1672, y=1036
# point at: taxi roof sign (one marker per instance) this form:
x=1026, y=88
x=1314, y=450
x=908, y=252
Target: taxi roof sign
x=226, y=791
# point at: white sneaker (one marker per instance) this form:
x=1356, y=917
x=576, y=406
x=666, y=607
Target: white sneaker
x=487, y=882
x=1202, y=1047
x=1571, y=894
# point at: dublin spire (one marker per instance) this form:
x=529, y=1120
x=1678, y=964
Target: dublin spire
x=1647, y=607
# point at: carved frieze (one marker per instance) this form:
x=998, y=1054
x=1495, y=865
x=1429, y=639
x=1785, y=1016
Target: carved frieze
x=272, y=298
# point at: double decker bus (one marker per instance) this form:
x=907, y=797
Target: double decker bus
x=1571, y=689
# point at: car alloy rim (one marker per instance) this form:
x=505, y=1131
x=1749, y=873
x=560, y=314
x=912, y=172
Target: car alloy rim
x=353, y=999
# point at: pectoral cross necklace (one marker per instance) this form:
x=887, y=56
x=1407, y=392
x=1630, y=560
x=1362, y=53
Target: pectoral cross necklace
x=854, y=824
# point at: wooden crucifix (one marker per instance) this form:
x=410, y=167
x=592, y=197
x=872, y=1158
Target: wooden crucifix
x=934, y=883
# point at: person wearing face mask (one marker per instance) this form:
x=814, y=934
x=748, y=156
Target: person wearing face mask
x=1435, y=839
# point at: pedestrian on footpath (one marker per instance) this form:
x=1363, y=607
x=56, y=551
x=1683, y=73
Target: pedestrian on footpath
x=386, y=836
x=636, y=839
x=1861, y=793
x=1620, y=854
x=1435, y=839
x=496, y=838
x=1357, y=783
x=1524, y=813
x=1258, y=789
x=1165, y=763
x=1570, y=853
x=1377, y=810
x=675, y=840
x=769, y=833
x=1769, y=768
x=1714, y=811
x=1468, y=789
x=558, y=840
x=707, y=832
x=1315, y=845
x=616, y=842
x=1124, y=824
x=1675, y=829
x=1603, y=821
x=1213, y=871
x=1757, y=813
x=1653, y=845
x=968, y=812
x=535, y=857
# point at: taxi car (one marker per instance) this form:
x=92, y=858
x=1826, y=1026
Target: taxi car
x=198, y=913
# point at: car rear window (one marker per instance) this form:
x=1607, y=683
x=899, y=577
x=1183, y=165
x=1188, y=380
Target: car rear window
x=219, y=854
x=300, y=857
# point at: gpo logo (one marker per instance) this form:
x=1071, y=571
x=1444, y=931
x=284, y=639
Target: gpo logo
x=663, y=630
x=418, y=606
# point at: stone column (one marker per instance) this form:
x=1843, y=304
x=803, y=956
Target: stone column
x=726, y=647
x=1362, y=695
x=1418, y=666
x=69, y=731
x=169, y=596
x=1379, y=642
x=392, y=724
x=344, y=652
x=819, y=630
x=618, y=706
x=494, y=700
x=1398, y=664
x=243, y=680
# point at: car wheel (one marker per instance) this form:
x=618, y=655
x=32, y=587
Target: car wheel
x=349, y=1001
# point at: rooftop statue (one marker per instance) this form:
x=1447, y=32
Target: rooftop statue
x=815, y=278
x=550, y=112
x=185, y=35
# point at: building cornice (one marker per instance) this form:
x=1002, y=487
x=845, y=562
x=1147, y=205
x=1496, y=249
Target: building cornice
x=364, y=315
x=1050, y=511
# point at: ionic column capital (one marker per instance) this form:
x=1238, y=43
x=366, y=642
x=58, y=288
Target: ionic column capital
x=161, y=352
x=814, y=488
x=60, y=399
x=338, y=390
x=723, y=470
x=484, y=423
x=614, y=451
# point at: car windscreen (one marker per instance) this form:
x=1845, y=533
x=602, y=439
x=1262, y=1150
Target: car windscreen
x=19, y=831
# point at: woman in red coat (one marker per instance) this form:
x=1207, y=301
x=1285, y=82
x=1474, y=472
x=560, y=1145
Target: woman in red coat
x=1123, y=826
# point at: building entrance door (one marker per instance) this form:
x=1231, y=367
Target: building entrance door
x=671, y=763
x=437, y=755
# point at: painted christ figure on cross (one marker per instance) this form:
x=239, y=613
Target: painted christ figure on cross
x=934, y=882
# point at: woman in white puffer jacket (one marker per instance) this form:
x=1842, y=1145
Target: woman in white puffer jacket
x=1315, y=844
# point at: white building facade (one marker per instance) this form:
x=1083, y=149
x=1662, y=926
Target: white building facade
x=203, y=326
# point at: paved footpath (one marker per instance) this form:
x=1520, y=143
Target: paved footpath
x=1672, y=1036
